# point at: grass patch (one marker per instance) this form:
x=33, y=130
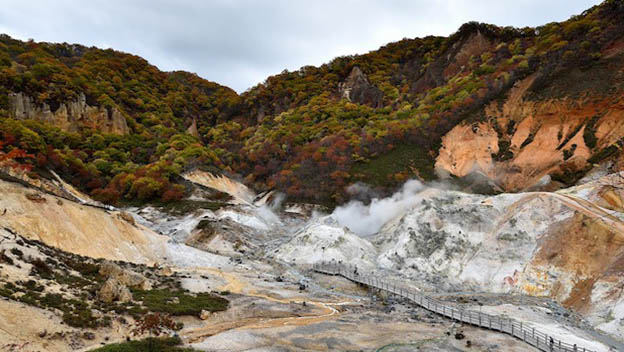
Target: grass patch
x=167, y=344
x=158, y=300
x=589, y=134
x=75, y=313
x=403, y=158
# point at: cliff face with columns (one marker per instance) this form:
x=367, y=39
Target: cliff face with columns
x=70, y=116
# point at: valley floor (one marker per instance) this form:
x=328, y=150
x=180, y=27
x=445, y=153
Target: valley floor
x=261, y=262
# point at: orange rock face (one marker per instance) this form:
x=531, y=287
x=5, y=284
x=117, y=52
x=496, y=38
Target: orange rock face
x=523, y=140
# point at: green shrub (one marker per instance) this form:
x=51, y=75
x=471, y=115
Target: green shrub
x=167, y=344
x=161, y=300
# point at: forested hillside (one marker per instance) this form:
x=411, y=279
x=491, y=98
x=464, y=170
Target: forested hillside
x=378, y=117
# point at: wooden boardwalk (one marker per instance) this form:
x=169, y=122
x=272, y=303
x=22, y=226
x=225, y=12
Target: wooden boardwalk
x=524, y=332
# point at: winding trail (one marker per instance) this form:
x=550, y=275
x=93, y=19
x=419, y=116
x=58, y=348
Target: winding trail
x=328, y=310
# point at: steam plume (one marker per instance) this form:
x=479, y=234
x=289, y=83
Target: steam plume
x=366, y=220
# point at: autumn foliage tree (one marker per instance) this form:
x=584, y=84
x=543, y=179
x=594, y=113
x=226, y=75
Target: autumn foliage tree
x=296, y=131
x=155, y=324
x=11, y=157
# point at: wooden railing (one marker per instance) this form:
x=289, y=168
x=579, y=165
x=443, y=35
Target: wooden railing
x=522, y=331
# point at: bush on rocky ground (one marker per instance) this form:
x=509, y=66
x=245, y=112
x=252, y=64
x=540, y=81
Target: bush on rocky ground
x=169, y=344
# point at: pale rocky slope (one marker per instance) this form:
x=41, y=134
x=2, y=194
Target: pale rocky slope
x=78, y=228
x=567, y=245
x=324, y=239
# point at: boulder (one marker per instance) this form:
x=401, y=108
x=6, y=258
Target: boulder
x=204, y=314
x=165, y=271
x=125, y=277
x=113, y=290
x=96, y=314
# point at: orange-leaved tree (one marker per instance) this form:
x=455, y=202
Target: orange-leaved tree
x=9, y=158
x=155, y=324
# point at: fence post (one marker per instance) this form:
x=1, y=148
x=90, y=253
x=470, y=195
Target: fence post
x=537, y=342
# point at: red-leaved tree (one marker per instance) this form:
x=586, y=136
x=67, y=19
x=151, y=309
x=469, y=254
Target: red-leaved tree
x=9, y=158
x=155, y=324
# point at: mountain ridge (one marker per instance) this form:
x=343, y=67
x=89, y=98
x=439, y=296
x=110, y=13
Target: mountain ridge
x=378, y=118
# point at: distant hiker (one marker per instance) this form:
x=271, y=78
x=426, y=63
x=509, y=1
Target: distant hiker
x=355, y=271
x=552, y=343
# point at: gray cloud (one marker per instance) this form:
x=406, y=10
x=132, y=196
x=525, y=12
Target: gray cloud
x=239, y=43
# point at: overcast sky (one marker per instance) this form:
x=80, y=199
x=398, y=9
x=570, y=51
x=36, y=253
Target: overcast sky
x=239, y=43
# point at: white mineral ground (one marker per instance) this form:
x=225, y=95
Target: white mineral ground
x=449, y=244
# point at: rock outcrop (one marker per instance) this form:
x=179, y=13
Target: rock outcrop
x=125, y=277
x=113, y=290
x=70, y=116
x=523, y=140
x=240, y=193
x=192, y=129
x=204, y=314
x=357, y=89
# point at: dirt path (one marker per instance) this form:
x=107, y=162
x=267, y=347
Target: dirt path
x=328, y=310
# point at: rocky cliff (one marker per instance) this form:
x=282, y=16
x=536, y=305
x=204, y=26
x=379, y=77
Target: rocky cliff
x=70, y=116
x=562, y=134
x=356, y=88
